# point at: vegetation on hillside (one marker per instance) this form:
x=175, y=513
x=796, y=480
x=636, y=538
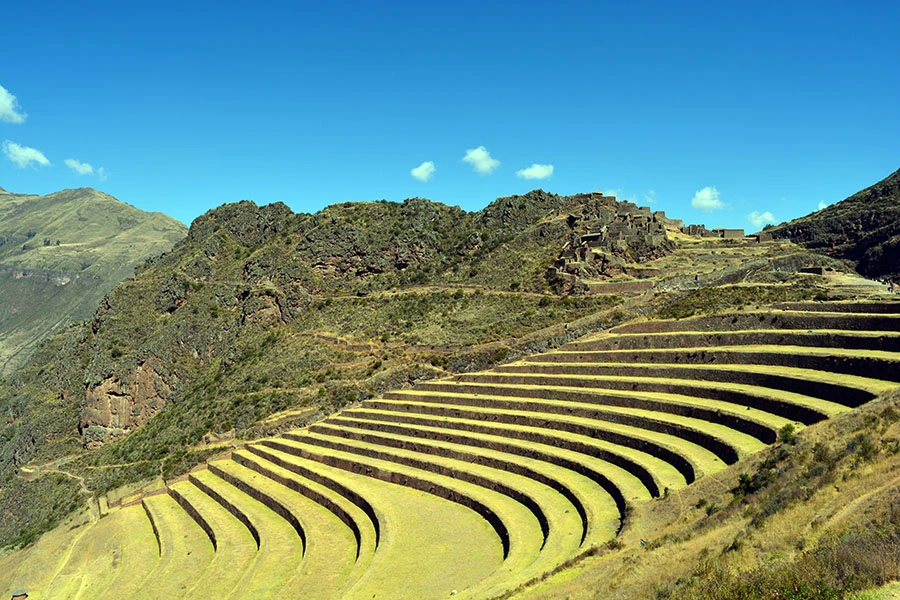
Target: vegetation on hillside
x=864, y=228
x=259, y=310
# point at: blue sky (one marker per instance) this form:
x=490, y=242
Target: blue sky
x=715, y=112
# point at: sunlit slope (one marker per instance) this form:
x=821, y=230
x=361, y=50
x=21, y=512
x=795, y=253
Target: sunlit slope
x=483, y=482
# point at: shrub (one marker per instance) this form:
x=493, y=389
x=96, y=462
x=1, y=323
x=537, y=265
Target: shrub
x=786, y=434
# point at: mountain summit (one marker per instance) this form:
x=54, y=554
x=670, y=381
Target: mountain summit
x=864, y=228
x=59, y=255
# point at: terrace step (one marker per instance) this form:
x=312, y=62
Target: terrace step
x=873, y=364
x=619, y=484
x=430, y=544
x=280, y=552
x=726, y=443
x=760, y=425
x=349, y=531
x=588, y=500
x=770, y=320
x=691, y=459
x=184, y=550
x=822, y=338
x=654, y=473
x=796, y=407
x=464, y=493
x=845, y=390
x=235, y=548
x=329, y=548
x=892, y=307
x=111, y=552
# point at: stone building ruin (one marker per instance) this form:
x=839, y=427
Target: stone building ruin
x=606, y=236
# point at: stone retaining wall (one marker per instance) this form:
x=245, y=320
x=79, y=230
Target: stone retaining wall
x=413, y=482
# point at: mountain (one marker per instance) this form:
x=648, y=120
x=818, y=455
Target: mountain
x=864, y=228
x=60, y=254
x=261, y=320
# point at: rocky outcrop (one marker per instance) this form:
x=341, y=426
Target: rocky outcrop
x=118, y=405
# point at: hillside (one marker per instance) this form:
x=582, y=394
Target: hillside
x=301, y=366
x=261, y=312
x=864, y=229
x=60, y=254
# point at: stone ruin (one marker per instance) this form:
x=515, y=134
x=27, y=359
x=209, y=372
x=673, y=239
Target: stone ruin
x=605, y=236
x=702, y=232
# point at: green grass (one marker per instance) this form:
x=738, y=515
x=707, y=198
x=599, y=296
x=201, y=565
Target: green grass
x=236, y=550
x=462, y=548
x=599, y=508
x=186, y=552
x=330, y=554
x=280, y=551
x=700, y=459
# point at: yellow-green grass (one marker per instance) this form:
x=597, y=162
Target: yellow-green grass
x=767, y=319
x=771, y=375
x=33, y=567
x=98, y=560
x=654, y=473
x=566, y=498
x=728, y=443
x=235, y=548
x=518, y=526
x=692, y=459
x=764, y=399
x=761, y=425
x=185, y=551
x=831, y=338
x=876, y=364
x=357, y=523
x=891, y=591
x=622, y=486
x=429, y=546
x=280, y=552
x=330, y=553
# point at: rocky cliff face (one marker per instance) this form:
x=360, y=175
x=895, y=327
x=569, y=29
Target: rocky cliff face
x=117, y=405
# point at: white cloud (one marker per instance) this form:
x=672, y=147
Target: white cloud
x=613, y=193
x=103, y=175
x=536, y=171
x=23, y=156
x=650, y=197
x=822, y=204
x=481, y=160
x=758, y=219
x=79, y=167
x=707, y=200
x=423, y=172
x=10, y=111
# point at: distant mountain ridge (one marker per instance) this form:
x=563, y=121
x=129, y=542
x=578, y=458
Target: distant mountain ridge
x=59, y=255
x=864, y=228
